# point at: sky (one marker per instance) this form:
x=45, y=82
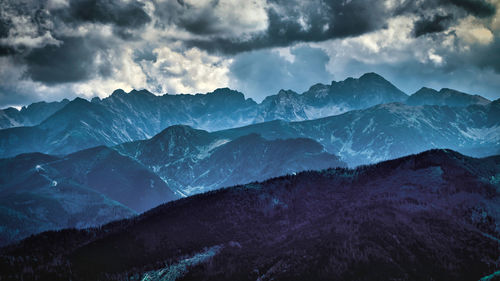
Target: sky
x=55, y=49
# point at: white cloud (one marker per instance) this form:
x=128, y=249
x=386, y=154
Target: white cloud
x=389, y=45
x=471, y=31
x=187, y=71
x=436, y=59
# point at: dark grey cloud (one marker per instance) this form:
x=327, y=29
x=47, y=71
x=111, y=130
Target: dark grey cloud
x=37, y=23
x=478, y=8
x=66, y=58
x=262, y=73
x=433, y=24
x=484, y=56
x=71, y=61
x=5, y=25
x=197, y=20
x=145, y=54
x=438, y=15
x=301, y=21
x=130, y=14
x=201, y=21
x=6, y=50
x=56, y=45
x=316, y=21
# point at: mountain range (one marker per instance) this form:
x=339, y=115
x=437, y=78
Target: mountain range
x=30, y=115
x=137, y=186
x=137, y=115
x=430, y=216
x=193, y=161
x=41, y=192
x=88, y=163
x=450, y=97
x=392, y=130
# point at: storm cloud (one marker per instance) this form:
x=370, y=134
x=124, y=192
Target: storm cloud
x=304, y=21
x=124, y=14
x=70, y=62
x=89, y=47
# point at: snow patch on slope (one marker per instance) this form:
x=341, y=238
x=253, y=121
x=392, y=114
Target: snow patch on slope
x=174, y=271
x=313, y=112
x=483, y=135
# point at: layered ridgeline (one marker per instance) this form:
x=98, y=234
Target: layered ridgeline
x=40, y=192
x=445, y=96
x=193, y=161
x=358, y=137
x=431, y=216
x=30, y=115
x=124, y=117
x=392, y=130
x=225, y=108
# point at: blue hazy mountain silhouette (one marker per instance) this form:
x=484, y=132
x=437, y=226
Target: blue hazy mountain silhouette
x=137, y=115
x=30, y=115
x=431, y=216
x=225, y=108
x=42, y=192
x=193, y=161
x=445, y=96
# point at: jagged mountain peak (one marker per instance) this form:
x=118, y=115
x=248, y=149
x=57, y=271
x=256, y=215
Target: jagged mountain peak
x=178, y=130
x=79, y=100
x=287, y=94
x=77, y=105
x=372, y=76
x=445, y=96
x=425, y=90
x=283, y=96
x=42, y=104
x=225, y=91
x=118, y=92
x=369, y=77
x=130, y=117
x=121, y=94
x=175, y=141
x=142, y=92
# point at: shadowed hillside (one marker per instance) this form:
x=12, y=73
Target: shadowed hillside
x=431, y=216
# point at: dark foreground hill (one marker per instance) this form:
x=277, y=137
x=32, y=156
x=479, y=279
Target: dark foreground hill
x=431, y=216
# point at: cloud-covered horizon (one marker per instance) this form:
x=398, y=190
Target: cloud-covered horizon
x=54, y=49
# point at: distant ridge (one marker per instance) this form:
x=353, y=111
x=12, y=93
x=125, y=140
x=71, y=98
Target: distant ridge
x=445, y=96
x=137, y=115
x=319, y=101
